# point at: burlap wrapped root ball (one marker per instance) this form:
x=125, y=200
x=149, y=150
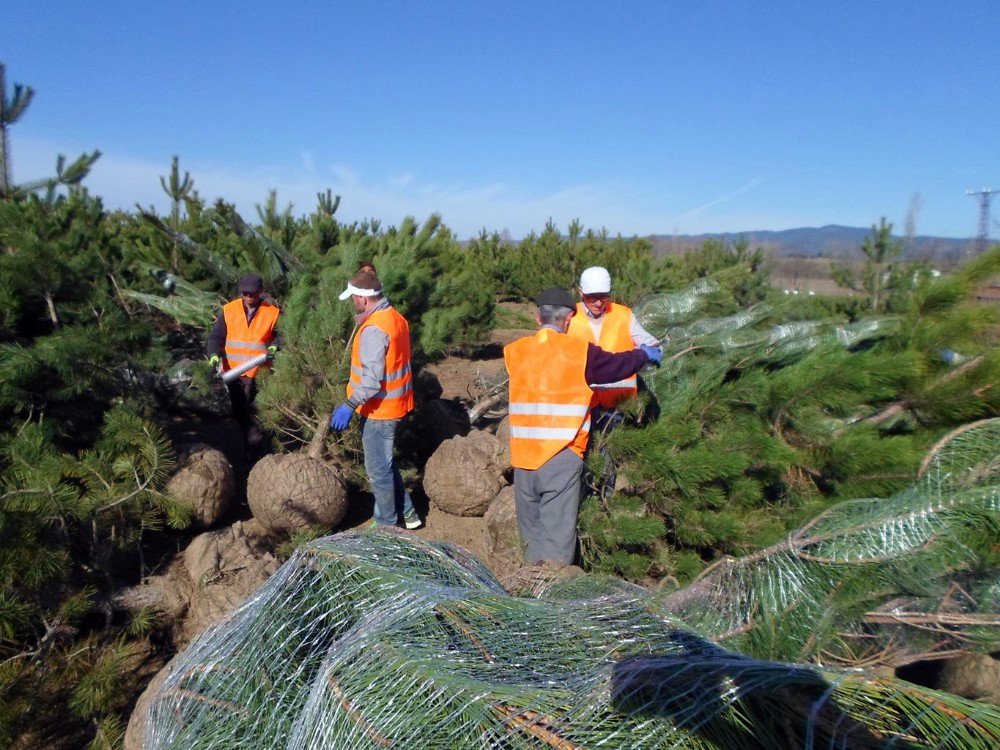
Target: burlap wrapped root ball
x=224, y=567
x=293, y=491
x=464, y=474
x=975, y=676
x=504, y=549
x=503, y=435
x=203, y=481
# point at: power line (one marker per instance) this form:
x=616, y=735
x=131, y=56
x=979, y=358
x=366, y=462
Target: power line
x=985, y=197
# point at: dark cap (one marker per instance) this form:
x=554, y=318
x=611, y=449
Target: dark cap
x=251, y=283
x=556, y=296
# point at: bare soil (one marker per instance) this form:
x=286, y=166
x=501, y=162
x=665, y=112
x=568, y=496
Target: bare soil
x=458, y=375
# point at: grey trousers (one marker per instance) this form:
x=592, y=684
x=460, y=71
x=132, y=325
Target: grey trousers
x=547, y=501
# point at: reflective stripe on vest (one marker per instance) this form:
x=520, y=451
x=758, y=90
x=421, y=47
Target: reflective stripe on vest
x=394, y=398
x=549, y=397
x=245, y=342
x=616, y=336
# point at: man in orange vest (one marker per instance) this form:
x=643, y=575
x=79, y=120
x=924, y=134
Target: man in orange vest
x=380, y=390
x=614, y=328
x=550, y=399
x=246, y=328
x=610, y=325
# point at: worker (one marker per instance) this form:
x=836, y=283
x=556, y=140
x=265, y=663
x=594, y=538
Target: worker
x=614, y=328
x=380, y=390
x=550, y=399
x=245, y=329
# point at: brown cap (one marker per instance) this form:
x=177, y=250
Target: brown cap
x=251, y=283
x=363, y=284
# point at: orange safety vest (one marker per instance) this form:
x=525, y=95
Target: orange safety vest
x=395, y=398
x=244, y=341
x=549, y=397
x=616, y=336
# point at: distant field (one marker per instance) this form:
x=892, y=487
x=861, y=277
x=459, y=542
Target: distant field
x=806, y=275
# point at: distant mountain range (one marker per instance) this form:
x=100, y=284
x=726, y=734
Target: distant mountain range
x=830, y=241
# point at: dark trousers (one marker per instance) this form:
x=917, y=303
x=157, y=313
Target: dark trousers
x=547, y=500
x=242, y=393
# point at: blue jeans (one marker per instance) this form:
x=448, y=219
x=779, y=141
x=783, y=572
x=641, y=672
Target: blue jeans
x=391, y=497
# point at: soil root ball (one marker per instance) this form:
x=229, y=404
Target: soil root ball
x=204, y=481
x=502, y=538
x=463, y=476
x=225, y=567
x=293, y=491
x=135, y=733
x=503, y=435
x=975, y=676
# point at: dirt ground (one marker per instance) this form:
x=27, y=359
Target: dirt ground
x=457, y=375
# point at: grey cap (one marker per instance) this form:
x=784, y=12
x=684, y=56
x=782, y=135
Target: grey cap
x=556, y=296
x=251, y=283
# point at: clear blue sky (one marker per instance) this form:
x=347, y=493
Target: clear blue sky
x=641, y=117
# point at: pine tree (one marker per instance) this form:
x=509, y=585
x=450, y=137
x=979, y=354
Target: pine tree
x=81, y=472
x=10, y=112
x=881, y=252
x=70, y=522
x=278, y=226
x=178, y=190
x=753, y=425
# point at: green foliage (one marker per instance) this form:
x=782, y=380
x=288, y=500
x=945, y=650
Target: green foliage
x=280, y=227
x=80, y=471
x=70, y=522
x=742, y=271
x=881, y=279
x=520, y=271
x=12, y=109
x=611, y=531
x=758, y=428
x=321, y=234
x=178, y=189
x=310, y=371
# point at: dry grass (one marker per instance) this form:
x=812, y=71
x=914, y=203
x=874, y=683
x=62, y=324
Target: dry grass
x=806, y=275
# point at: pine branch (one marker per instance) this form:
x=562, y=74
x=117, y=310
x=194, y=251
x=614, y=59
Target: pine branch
x=900, y=406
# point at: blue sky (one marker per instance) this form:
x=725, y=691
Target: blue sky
x=640, y=117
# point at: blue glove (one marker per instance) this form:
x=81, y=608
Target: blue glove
x=341, y=417
x=653, y=353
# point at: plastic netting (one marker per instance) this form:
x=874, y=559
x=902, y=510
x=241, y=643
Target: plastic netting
x=378, y=639
x=893, y=578
x=678, y=320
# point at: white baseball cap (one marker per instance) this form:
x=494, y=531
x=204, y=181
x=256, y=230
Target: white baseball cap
x=595, y=280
